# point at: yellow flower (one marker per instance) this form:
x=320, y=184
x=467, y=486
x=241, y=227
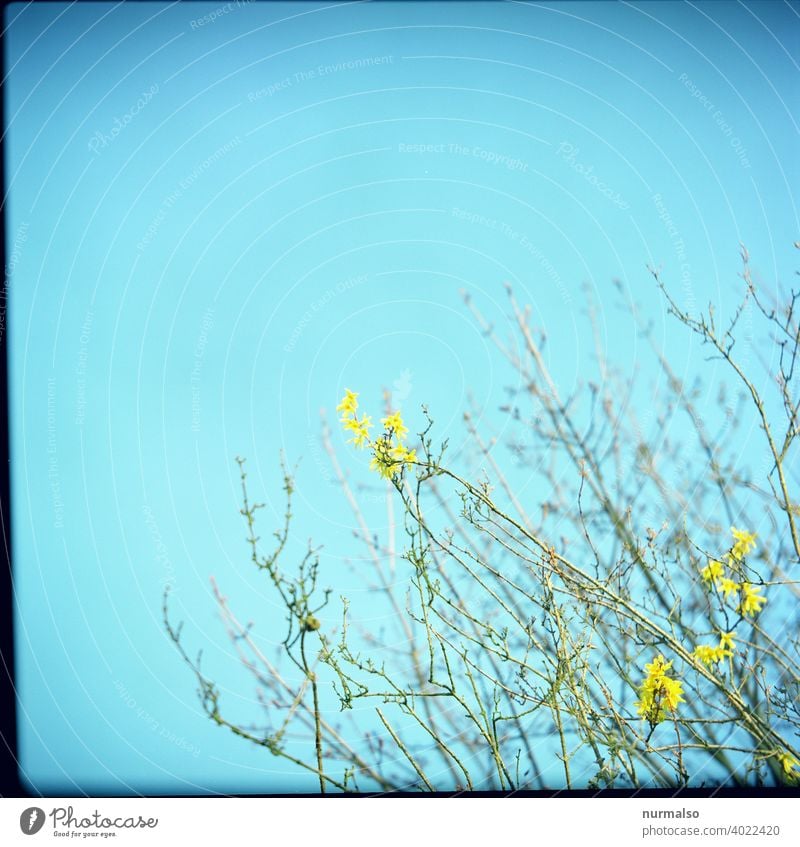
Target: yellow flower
x=657, y=668
x=745, y=542
x=655, y=703
x=728, y=587
x=349, y=403
x=658, y=692
x=752, y=601
x=713, y=571
x=789, y=763
x=403, y=454
x=672, y=692
x=708, y=655
x=389, y=455
x=382, y=460
x=360, y=428
x=395, y=423
x=726, y=643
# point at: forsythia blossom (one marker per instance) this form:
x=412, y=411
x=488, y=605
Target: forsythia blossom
x=751, y=601
x=709, y=654
x=716, y=575
x=389, y=454
x=394, y=423
x=403, y=454
x=348, y=405
x=726, y=642
x=789, y=764
x=658, y=693
x=359, y=428
x=713, y=571
x=727, y=587
x=745, y=542
x=383, y=460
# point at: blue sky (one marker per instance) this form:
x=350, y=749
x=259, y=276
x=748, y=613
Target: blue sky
x=220, y=216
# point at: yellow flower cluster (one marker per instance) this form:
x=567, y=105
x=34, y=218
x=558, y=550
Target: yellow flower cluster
x=745, y=542
x=658, y=693
x=709, y=654
x=350, y=420
x=789, y=764
x=751, y=601
x=715, y=573
x=389, y=454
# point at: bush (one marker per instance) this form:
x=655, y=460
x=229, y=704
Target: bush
x=639, y=629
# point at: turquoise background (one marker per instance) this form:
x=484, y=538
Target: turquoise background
x=214, y=226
